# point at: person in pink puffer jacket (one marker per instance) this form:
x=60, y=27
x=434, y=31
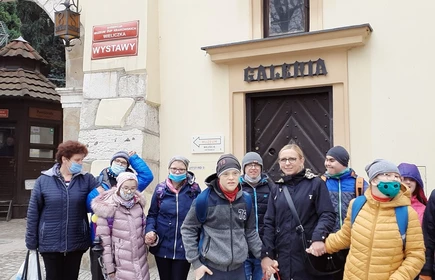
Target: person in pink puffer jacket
x=412, y=179
x=120, y=225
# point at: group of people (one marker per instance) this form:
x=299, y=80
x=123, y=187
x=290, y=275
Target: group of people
x=242, y=225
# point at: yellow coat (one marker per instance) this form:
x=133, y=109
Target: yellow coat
x=376, y=248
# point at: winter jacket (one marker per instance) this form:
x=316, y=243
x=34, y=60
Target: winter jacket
x=342, y=191
x=125, y=252
x=260, y=197
x=57, y=219
x=280, y=240
x=429, y=236
x=166, y=215
x=226, y=236
x=107, y=181
x=418, y=207
x=376, y=247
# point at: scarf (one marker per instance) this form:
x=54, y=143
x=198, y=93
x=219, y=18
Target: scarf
x=127, y=204
x=171, y=186
x=252, y=181
x=338, y=175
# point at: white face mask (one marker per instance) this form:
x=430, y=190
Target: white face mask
x=116, y=168
x=126, y=196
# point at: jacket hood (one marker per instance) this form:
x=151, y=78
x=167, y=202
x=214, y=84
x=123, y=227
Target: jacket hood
x=106, y=203
x=411, y=171
x=403, y=198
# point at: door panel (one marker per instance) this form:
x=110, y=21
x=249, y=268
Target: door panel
x=303, y=117
x=8, y=162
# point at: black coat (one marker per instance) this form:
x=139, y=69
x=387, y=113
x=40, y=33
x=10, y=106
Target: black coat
x=317, y=215
x=260, y=198
x=429, y=236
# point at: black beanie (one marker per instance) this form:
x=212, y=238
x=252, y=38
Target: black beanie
x=340, y=154
x=226, y=162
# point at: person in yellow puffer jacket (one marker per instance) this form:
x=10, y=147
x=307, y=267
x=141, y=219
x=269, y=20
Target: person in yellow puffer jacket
x=376, y=247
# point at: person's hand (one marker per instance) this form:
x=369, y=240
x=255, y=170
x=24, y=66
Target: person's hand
x=131, y=153
x=317, y=248
x=150, y=238
x=269, y=266
x=112, y=275
x=424, y=277
x=200, y=271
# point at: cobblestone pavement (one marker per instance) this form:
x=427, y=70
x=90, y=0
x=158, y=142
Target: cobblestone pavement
x=13, y=251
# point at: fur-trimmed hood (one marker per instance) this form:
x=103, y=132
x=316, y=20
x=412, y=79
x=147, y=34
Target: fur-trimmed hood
x=106, y=203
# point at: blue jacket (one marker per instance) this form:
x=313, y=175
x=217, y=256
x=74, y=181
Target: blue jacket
x=166, y=215
x=57, y=219
x=342, y=191
x=144, y=177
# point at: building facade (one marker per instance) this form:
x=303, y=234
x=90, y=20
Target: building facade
x=201, y=78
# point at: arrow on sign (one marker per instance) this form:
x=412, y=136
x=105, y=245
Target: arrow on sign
x=206, y=141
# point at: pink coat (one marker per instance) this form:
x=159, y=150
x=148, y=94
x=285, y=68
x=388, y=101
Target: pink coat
x=418, y=207
x=125, y=252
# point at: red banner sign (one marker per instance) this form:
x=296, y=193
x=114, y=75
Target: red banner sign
x=4, y=113
x=116, y=48
x=115, y=31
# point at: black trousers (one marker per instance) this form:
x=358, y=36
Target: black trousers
x=63, y=266
x=170, y=269
x=96, y=272
x=238, y=273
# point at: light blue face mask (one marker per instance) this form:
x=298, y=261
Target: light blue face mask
x=177, y=178
x=390, y=189
x=75, y=168
x=116, y=168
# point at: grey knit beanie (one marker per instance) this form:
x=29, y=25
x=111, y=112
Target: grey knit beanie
x=227, y=162
x=340, y=154
x=252, y=157
x=184, y=160
x=380, y=166
x=121, y=154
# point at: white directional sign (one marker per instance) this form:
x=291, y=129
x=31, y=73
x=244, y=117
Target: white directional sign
x=207, y=144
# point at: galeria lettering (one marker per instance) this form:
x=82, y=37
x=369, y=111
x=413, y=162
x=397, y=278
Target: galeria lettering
x=113, y=48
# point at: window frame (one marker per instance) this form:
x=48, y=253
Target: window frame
x=266, y=19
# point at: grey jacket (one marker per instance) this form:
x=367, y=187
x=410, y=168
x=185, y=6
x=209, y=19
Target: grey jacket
x=226, y=236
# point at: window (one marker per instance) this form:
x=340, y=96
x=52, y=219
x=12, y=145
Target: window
x=285, y=17
x=42, y=141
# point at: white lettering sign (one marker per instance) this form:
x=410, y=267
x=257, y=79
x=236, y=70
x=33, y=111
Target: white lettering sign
x=207, y=144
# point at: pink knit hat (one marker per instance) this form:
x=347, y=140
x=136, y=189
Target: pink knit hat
x=124, y=176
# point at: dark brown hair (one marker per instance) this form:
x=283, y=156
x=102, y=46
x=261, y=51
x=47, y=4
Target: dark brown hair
x=69, y=148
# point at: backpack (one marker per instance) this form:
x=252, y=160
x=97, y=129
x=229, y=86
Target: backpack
x=401, y=216
x=359, y=184
x=202, y=204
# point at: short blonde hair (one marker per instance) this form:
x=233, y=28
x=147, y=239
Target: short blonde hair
x=294, y=147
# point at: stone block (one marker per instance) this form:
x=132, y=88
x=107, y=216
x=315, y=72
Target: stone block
x=113, y=112
x=103, y=143
x=71, y=126
x=100, y=84
x=132, y=85
x=151, y=147
x=98, y=165
x=88, y=113
x=144, y=116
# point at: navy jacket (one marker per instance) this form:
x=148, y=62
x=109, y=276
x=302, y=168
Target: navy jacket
x=429, y=236
x=280, y=239
x=166, y=215
x=57, y=218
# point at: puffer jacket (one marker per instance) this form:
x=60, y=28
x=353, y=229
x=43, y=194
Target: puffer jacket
x=376, y=248
x=342, y=191
x=260, y=197
x=57, y=219
x=429, y=236
x=281, y=241
x=125, y=252
x=227, y=234
x=166, y=215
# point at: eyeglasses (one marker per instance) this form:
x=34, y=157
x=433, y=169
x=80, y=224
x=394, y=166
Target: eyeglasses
x=253, y=166
x=128, y=189
x=391, y=176
x=290, y=160
x=121, y=162
x=179, y=170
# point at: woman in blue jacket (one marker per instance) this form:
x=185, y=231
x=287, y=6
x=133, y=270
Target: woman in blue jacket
x=57, y=221
x=170, y=203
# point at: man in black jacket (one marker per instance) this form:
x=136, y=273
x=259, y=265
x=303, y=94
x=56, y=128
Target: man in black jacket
x=255, y=182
